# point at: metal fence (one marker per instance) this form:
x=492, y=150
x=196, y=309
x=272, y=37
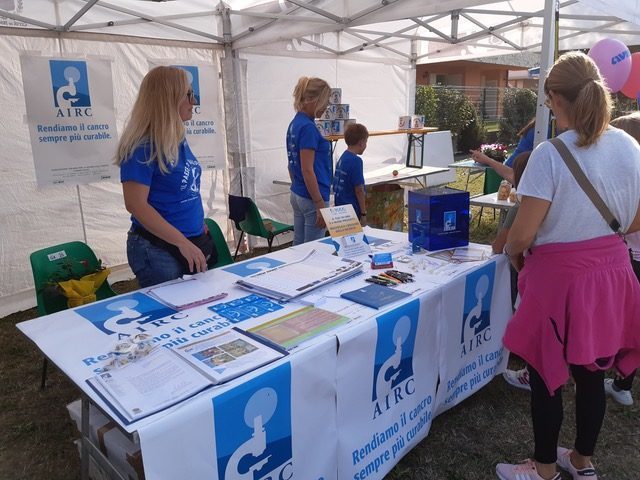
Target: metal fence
x=487, y=100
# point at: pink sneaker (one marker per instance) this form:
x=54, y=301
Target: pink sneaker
x=521, y=471
x=564, y=462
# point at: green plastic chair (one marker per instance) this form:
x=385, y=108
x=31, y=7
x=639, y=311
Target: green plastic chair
x=58, y=263
x=224, y=255
x=247, y=219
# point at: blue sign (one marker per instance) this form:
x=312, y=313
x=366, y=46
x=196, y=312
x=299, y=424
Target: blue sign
x=252, y=425
x=253, y=266
x=394, y=348
x=240, y=309
x=70, y=83
x=125, y=313
x=478, y=291
x=194, y=80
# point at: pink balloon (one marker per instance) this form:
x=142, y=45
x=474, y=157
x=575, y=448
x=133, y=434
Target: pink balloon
x=632, y=88
x=613, y=60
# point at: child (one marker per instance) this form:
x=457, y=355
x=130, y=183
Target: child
x=348, y=180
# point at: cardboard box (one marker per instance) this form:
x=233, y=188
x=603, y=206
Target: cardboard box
x=339, y=126
x=324, y=127
x=439, y=218
x=336, y=96
x=404, y=122
x=329, y=113
x=342, y=111
x=417, y=121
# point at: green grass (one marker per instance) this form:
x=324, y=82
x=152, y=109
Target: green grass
x=465, y=443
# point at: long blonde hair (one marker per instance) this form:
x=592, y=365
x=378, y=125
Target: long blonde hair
x=309, y=89
x=155, y=117
x=577, y=78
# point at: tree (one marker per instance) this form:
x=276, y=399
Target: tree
x=446, y=108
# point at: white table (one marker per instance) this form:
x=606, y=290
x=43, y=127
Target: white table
x=490, y=200
x=385, y=174
x=474, y=168
x=323, y=395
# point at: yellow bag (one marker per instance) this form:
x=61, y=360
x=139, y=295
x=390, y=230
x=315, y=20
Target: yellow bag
x=83, y=291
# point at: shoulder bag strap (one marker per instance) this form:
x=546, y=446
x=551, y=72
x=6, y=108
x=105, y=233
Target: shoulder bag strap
x=585, y=184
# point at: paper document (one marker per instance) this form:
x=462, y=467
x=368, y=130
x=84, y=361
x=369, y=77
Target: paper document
x=290, y=330
x=295, y=279
x=150, y=384
x=187, y=293
x=228, y=355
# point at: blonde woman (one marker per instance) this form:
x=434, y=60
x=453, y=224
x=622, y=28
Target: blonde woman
x=309, y=157
x=580, y=301
x=161, y=182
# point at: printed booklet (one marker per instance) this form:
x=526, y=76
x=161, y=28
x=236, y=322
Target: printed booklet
x=166, y=376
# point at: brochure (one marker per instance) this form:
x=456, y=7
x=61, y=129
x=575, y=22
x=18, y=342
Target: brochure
x=375, y=296
x=166, y=376
x=229, y=354
x=291, y=330
x=187, y=293
x=294, y=279
x=345, y=230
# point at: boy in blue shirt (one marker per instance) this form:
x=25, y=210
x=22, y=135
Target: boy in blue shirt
x=348, y=180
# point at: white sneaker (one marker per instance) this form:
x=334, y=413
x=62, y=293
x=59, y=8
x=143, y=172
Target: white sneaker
x=517, y=378
x=623, y=397
x=564, y=462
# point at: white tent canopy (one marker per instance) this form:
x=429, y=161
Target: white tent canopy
x=368, y=48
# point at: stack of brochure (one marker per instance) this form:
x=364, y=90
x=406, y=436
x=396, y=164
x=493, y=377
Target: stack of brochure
x=294, y=279
x=166, y=376
x=186, y=293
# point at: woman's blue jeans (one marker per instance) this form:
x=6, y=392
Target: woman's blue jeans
x=304, y=220
x=151, y=264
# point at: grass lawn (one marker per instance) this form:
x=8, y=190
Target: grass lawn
x=36, y=433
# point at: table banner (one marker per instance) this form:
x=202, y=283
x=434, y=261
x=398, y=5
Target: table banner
x=204, y=131
x=472, y=351
x=71, y=118
x=387, y=387
x=275, y=423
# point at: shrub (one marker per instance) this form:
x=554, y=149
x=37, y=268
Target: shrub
x=518, y=107
x=473, y=135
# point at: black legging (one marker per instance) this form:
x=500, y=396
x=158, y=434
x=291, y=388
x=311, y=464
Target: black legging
x=546, y=413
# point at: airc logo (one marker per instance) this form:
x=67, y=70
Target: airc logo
x=253, y=428
x=70, y=84
x=393, y=369
x=194, y=81
x=476, y=317
x=126, y=315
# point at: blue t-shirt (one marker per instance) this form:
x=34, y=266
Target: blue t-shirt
x=347, y=177
x=302, y=134
x=524, y=145
x=176, y=194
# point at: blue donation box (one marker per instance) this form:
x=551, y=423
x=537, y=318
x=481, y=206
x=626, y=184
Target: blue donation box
x=439, y=218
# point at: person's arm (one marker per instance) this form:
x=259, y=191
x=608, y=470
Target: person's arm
x=635, y=225
x=360, y=196
x=501, y=238
x=500, y=168
x=527, y=222
x=136, y=202
x=307, y=158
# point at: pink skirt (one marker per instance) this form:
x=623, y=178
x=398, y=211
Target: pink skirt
x=580, y=305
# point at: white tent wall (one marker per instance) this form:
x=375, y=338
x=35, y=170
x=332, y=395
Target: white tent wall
x=33, y=218
x=377, y=94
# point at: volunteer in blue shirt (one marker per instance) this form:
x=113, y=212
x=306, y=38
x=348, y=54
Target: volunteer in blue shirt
x=348, y=181
x=161, y=182
x=309, y=157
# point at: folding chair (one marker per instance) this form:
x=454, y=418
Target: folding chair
x=58, y=263
x=224, y=255
x=247, y=219
x=491, y=185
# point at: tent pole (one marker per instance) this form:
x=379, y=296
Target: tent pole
x=84, y=227
x=551, y=8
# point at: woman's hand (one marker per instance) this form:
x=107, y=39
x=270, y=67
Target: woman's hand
x=517, y=261
x=193, y=255
x=319, y=218
x=478, y=156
